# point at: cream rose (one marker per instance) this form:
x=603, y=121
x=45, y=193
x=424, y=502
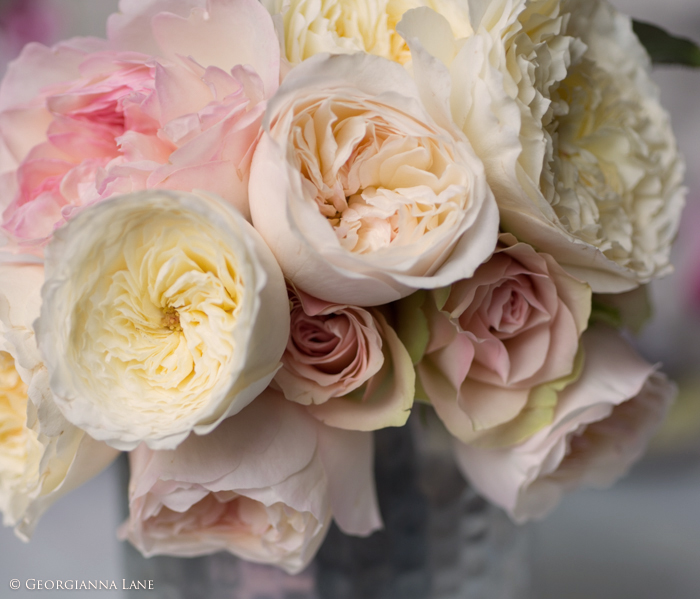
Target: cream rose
x=601, y=425
x=162, y=313
x=584, y=164
x=361, y=196
x=42, y=456
x=347, y=26
x=264, y=486
x=494, y=341
x=346, y=364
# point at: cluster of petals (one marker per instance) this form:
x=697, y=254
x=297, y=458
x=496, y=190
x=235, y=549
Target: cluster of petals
x=42, y=455
x=557, y=101
x=184, y=317
x=495, y=338
x=264, y=486
x=173, y=99
x=346, y=364
x=359, y=192
x=601, y=426
x=238, y=236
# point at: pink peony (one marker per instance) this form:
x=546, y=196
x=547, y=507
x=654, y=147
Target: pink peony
x=179, y=107
x=601, y=425
x=513, y=326
x=347, y=364
x=263, y=485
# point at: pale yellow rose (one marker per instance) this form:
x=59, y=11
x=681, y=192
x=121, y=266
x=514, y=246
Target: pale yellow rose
x=162, y=313
x=42, y=456
x=310, y=27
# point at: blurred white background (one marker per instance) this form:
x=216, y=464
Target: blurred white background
x=640, y=540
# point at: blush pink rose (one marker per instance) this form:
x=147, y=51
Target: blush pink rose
x=178, y=108
x=494, y=337
x=264, y=485
x=347, y=364
x=601, y=426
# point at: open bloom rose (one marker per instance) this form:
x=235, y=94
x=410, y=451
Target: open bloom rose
x=360, y=194
x=347, y=364
x=582, y=160
x=347, y=26
x=601, y=425
x=495, y=337
x=264, y=486
x=179, y=323
x=41, y=459
x=174, y=99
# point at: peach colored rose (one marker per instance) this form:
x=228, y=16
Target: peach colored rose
x=263, y=485
x=513, y=326
x=363, y=192
x=601, y=425
x=89, y=119
x=347, y=364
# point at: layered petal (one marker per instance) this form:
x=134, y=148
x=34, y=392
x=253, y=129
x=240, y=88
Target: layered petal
x=175, y=107
x=601, y=425
x=264, y=486
x=361, y=196
x=179, y=324
x=495, y=338
x=347, y=364
x=557, y=101
x=42, y=456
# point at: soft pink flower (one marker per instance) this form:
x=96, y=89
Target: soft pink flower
x=89, y=119
x=347, y=364
x=601, y=426
x=263, y=485
x=492, y=338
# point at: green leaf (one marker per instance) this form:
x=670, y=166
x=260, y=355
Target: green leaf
x=664, y=48
x=607, y=314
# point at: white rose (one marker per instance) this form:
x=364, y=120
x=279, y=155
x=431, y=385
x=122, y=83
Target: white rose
x=360, y=194
x=601, y=425
x=264, y=486
x=347, y=26
x=580, y=156
x=40, y=459
x=163, y=313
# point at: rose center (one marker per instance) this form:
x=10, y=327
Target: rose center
x=171, y=319
x=377, y=186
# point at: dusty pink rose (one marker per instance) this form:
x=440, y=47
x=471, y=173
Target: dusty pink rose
x=347, y=364
x=601, y=426
x=178, y=107
x=493, y=338
x=264, y=485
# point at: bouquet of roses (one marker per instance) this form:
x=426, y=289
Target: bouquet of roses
x=241, y=236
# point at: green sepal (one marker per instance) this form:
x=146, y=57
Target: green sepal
x=664, y=48
x=412, y=325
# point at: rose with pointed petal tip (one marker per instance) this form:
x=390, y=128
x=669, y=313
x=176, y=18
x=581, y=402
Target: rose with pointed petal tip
x=347, y=364
x=264, y=486
x=601, y=425
x=178, y=108
x=42, y=456
x=162, y=313
x=493, y=339
x=360, y=194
